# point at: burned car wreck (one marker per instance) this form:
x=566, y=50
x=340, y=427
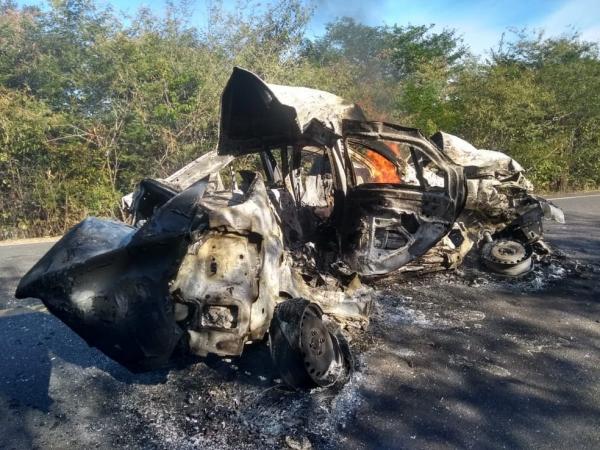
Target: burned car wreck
x=271, y=235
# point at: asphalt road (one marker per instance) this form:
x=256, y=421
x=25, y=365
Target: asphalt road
x=453, y=360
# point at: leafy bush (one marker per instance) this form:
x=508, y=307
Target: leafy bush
x=91, y=102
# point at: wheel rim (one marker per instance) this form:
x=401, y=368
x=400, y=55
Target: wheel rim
x=306, y=353
x=507, y=257
x=316, y=346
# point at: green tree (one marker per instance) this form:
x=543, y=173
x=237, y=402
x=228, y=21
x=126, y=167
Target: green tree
x=537, y=99
x=91, y=102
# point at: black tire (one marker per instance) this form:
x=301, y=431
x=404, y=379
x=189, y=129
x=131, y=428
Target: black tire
x=304, y=351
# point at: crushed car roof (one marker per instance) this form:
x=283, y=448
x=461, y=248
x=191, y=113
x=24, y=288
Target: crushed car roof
x=256, y=115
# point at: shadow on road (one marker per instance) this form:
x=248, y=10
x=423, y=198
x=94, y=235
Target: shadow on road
x=30, y=344
x=32, y=341
x=526, y=376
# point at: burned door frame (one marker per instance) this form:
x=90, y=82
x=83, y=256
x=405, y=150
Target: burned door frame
x=386, y=225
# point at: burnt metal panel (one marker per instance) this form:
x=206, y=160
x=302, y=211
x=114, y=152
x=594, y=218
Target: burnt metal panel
x=386, y=226
x=109, y=282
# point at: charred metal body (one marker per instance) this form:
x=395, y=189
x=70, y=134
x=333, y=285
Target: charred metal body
x=109, y=281
x=210, y=260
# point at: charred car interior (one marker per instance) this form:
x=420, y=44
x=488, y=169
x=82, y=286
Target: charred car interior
x=272, y=235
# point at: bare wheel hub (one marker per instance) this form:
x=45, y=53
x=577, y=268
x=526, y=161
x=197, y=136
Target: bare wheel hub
x=316, y=345
x=509, y=252
x=507, y=257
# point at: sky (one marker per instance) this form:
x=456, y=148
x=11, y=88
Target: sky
x=480, y=22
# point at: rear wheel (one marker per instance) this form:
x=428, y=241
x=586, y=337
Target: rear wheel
x=305, y=352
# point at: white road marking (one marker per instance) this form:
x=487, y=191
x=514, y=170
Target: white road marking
x=11, y=242
x=22, y=310
x=575, y=196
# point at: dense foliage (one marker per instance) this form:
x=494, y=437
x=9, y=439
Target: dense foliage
x=91, y=101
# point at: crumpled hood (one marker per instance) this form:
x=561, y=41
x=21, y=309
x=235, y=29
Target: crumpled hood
x=486, y=162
